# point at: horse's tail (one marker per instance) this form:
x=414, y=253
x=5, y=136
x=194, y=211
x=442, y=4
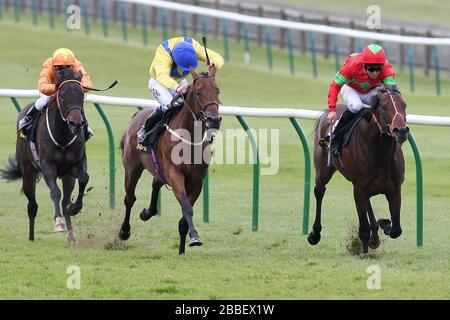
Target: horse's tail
x=12, y=170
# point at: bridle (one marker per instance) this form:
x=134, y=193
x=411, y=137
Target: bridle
x=202, y=116
x=63, y=117
x=58, y=102
x=388, y=127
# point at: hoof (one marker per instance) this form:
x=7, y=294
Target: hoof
x=395, y=233
x=73, y=209
x=71, y=238
x=313, y=238
x=385, y=224
x=145, y=215
x=59, y=225
x=374, y=243
x=124, y=234
x=195, y=242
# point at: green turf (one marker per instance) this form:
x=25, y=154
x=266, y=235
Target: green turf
x=274, y=263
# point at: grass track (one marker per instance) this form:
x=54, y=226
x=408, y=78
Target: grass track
x=235, y=263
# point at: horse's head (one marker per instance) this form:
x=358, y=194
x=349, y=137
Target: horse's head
x=204, y=95
x=390, y=112
x=70, y=99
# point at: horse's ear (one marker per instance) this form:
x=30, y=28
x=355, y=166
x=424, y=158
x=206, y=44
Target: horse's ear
x=375, y=100
x=212, y=70
x=193, y=73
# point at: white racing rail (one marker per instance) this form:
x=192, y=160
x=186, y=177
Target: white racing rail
x=291, y=24
x=224, y=110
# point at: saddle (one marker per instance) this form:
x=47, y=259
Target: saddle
x=152, y=138
x=340, y=139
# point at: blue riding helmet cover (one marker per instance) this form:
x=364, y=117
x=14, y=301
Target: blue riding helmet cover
x=185, y=56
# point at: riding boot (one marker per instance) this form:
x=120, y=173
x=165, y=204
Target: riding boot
x=25, y=122
x=151, y=121
x=345, y=118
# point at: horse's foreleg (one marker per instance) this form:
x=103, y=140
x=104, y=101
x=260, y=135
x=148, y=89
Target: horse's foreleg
x=323, y=176
x=49, y=174
x=364, y=228
x=83, y=179
x=132, y=176
x=187, y=210
x=68, y=183
x=395, y=202
x=314, y=235
x=29, y=189
x=153, y=207
x=374, y=241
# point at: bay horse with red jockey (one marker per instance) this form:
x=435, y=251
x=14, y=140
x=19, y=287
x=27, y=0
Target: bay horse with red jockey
x=373, y=161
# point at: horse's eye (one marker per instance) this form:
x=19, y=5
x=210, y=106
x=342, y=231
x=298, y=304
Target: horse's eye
x=198, y=94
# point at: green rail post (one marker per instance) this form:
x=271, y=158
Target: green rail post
x=268, y=47
x=411, y=67
x=247, y=56
x=291, y=51
x=112, y=159
x=17, y=11
x=437, y=70
x=307, y=183
x=183, y=17
x=336, y=51
x=143, y=11
x=34, y=8
x=256, y=171
x=123, y=16
x=225, y=39
x=206, y=198
x=16, y=104
x=312, y=45
x=85, y=14
x=419, y=189
x=104, y=18
x=165, y=24
x=51, y=14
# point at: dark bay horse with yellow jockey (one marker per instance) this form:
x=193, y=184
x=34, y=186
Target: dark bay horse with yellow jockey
x=57, y=151
x=200, y=110
x=373, y=161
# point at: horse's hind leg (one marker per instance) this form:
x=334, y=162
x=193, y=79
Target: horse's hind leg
x=29, y=189
x=153, y=208
x=68, y=183
x=374, y=241
x=132, y=175
x=323, y=176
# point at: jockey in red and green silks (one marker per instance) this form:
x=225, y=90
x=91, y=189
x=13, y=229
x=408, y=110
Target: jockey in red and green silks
x=358, y=80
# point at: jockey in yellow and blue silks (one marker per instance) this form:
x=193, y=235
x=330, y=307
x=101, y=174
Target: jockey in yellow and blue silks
x=168, y=71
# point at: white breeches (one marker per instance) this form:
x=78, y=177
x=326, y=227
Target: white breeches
x=42, y=101
x=162, y=94
x=354, y=100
